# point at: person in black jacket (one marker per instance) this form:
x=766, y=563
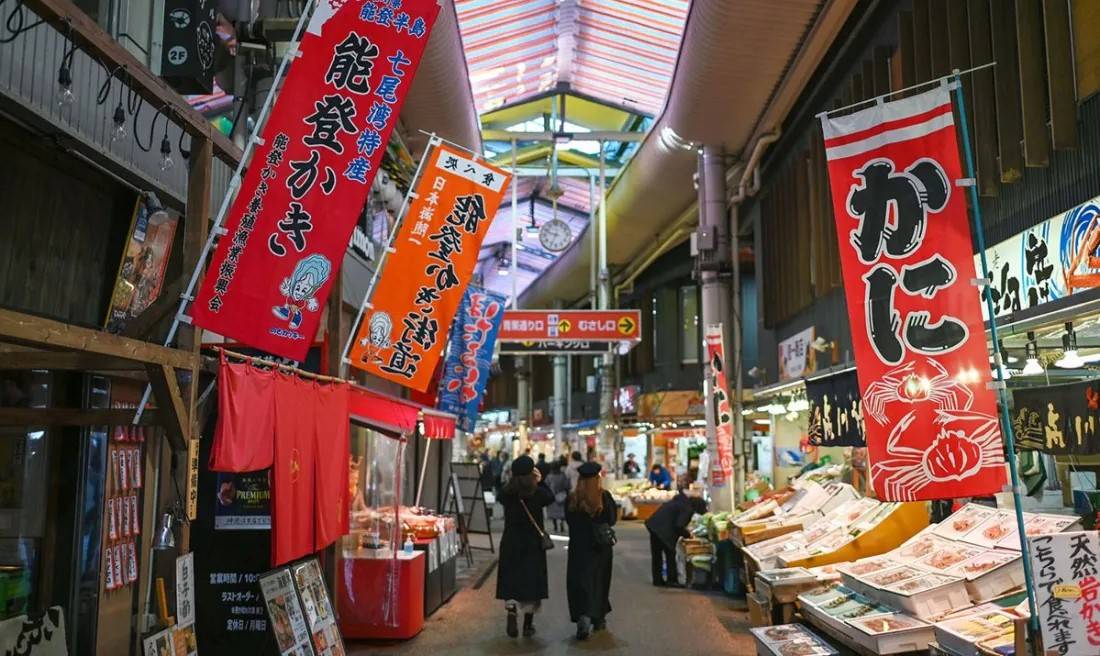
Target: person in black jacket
x=590, y=512
x=666, y=526
x=521, y=576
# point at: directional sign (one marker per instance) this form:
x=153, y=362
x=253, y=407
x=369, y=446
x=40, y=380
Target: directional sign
x=571, y=325
x=557, y=347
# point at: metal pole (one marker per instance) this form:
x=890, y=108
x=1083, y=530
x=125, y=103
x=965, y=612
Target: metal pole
x=606, y=361
x=738, y=347
x=423, y=472
x=593, y=228
x=515, y=227
x=234, y=183
x=432, y=142
x=1002, y=392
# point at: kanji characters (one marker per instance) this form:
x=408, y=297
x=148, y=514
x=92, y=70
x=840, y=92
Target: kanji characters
x=379, y=115
x=368, y=142
x=468, y=212
x=398, y=61
x=387, y=88
x=294, y=225
x=333, y=115
x=352, y=63
x=357, y=170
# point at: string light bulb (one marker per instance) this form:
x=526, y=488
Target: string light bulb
x=1070, y=359
x=1031, y=358
x=65, y=97
x=119, y=118
x=165, y=154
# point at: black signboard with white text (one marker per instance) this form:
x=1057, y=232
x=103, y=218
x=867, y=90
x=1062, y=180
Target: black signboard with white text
x=836, y=414
x=1058, y=419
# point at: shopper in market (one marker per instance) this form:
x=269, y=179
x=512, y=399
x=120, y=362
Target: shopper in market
x=666, y=526
x=543, y=466
x=559, y=485
x=590, y=514
x=659, y=477
x=631, y=468
x=575, y=461
x=521, y=578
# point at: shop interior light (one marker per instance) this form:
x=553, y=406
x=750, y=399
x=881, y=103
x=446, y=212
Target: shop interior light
x=800, y=404
x=1031, y=357
x=1005, y=356
x=1070, y=359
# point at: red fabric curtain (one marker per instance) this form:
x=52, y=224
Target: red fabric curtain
x=381, y=411
x=331, y=428
x=438, y=427
x=292, y=494
x=246, y=419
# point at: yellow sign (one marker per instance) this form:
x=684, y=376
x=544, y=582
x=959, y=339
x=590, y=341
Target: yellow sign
x=626, y=325
x=193, y=478
x=1067, y=591
x=564, y=326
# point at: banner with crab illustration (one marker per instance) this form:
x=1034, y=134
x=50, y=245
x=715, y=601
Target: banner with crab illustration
x=907, y=259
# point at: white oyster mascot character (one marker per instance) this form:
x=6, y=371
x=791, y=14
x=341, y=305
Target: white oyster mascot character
x=301, y=287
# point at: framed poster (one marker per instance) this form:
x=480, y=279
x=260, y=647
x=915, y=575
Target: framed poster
x=141, y=272
x=285, y=612
x=243, y=502
x=318, y=608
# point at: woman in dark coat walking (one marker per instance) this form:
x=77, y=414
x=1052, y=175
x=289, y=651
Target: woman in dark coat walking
x=521, y=575
x=588, y=574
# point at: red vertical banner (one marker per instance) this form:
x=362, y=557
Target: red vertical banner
x=404, y=330
x=311, y=172
x=917, y=330
x=722, y=468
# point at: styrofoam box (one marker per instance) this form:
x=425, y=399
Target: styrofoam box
x=928, y=603
x=895, y=642
x=997, y=581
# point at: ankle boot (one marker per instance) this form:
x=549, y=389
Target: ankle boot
x=584, y=627
x=528, y=625
x=513, y=630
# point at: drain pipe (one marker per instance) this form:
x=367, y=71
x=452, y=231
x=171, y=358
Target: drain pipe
x=751, y=169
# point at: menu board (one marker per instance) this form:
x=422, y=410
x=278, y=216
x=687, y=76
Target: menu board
x=300, y=609
x=1067, y=590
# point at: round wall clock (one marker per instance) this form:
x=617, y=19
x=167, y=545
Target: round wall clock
x=555, y=235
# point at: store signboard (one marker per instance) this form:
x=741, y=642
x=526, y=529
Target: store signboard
x=836, y=418
x=796, y=355
x=571, y=325
x=42, y=636
x=671, y=404
x=470, y=355
x=243, y=501
x=284, y=610
x=722, y=468
x=1048, y=261
x=293, y=216
x=141, y=273
x=1058, y=419
x=1066, y=569
x=409, y=315
x=917, y=331
x=555, y=347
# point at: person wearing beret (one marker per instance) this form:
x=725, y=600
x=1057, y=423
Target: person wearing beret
x=522, y=582
x=590, y=513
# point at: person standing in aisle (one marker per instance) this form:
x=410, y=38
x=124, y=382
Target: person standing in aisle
x=631, y=468
x=559, y=485
x=498, y=471
x=666, y=527
x=543, y=466
x=576, y=460
x=590, y=514
x=522, y=582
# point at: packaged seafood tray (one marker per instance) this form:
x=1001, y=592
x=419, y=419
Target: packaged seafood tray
x=991, y=574
x=892, y=634
x=963, y=635
x=925, y=596
x=853, y=574
x=963, y=521
x=993, y=529
x=790, y=640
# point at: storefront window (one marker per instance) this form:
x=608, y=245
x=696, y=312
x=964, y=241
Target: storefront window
x=689, y=324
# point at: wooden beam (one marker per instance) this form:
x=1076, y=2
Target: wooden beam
x=958, y=41
x=906, y=49
x=1006, y=76
x=166, y=391
x=922, y=41
x=195, y=226
x=143, y=325
x=868, y=79
x=983, y=107
x=64, y=361
x=1033, y=84
x=67, y=18
x=37, y=331
x=50, y=417
x=882, y=70
x=939, y=50
x=1060, y=82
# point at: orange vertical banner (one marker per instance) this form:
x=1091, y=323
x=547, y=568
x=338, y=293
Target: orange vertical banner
x=407, y=320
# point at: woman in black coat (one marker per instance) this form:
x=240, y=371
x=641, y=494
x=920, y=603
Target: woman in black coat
x=521, y=575
x=588, y=575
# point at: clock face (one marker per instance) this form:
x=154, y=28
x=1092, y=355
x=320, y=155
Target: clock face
x=555, y=235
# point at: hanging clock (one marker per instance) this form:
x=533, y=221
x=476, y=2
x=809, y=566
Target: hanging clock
x=555, y=235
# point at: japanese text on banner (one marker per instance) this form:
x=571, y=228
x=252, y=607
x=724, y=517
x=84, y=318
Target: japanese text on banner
x=404, y=330
x=722, y=468
x=907, y=259
x=298, y=203
x=470, y=354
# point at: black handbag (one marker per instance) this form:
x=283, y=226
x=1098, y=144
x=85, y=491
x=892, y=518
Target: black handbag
x=547, y=543
x=605, y=535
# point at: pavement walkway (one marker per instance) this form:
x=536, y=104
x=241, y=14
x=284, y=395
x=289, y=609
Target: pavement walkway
x=644, y=620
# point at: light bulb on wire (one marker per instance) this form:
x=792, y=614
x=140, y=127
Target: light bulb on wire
x=1031, y=358
x=1070, y=359
x=165, y=154
x=119, y=119
x=65, y=97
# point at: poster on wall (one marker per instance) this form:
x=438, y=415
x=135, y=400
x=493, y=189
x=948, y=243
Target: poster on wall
x=1066, y=570
x=1046, y=262
x=44, y=635
x=293, y=216
x=243, y=501
x=423, y=281
x=917, y=332
x=288, y=621
x=1058, y=419
x=722, y=468
x=796, y=355
x=470, y=355
x=836, y=418
x=141, y=273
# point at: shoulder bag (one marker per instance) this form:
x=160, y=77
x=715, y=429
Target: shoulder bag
x=547, y=543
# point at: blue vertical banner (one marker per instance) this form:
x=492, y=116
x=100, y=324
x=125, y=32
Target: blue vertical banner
x=469, y=354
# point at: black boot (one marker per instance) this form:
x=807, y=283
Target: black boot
x=528, y=625
x=599, y=625
x=513, y=630
x=584, y=628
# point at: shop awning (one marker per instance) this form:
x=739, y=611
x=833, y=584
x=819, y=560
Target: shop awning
x=394, y=415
